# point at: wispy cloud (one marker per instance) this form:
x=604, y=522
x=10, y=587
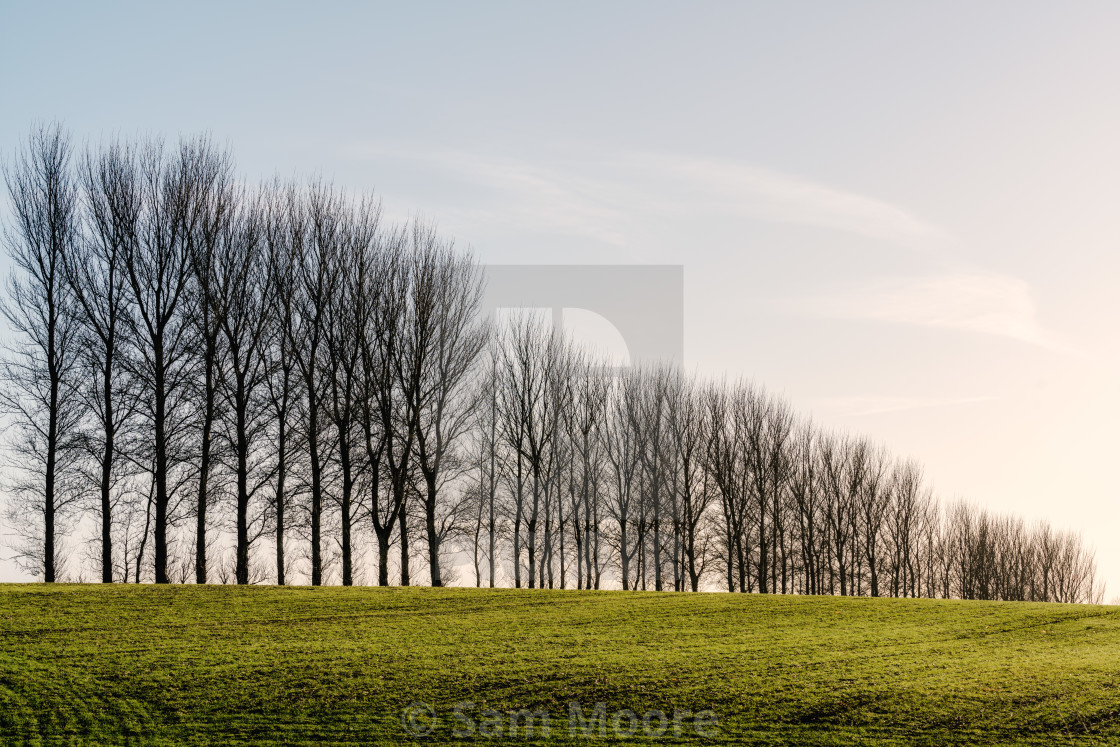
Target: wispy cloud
x=855, y=406
x=507, y=193
x=981, y=303
x=771, y=195
x=611, y=197
x=601, y=196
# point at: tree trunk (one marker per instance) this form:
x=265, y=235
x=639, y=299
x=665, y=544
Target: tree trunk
x=430, y=525
x=405, y=576
x=204, y=467
x=347, y=495
x=383, y=537
x=242, y=490
x=316, y=493
x=281, y=474
x=160, y=560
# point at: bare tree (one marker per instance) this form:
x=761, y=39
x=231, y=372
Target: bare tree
x=558, y=456
x=446, y=338
x=691, y=495
x=213, y=233
x=40, y=390
x=95, y=273
x=529, y=418
x=583, y=421
x=390, y=419
x=487, y=459
x=517, y=386
x=751, y=413
x=805, y=491
x=725, y=467
x=903, y=528
x=280, y=381
x=656, y=456
x=874, y=502
x=310, y=241
x=624, y=442
x=241, y=296
x=174, y=192
x=358, y=277
x=842, y=472
x=776, y=466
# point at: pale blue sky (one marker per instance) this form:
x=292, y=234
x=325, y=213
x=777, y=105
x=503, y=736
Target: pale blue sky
x=905, y=216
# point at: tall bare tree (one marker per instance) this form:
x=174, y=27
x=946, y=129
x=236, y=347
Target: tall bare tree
x=488, y=461
x=40, y=389
x=212, y=234
x=280, y=381
x=529, y=425
x=311, y=242
x=358, y=277
x=174, y=192
x=446, y=338
x=241, y=295
x=95, y=271
x=390, y=417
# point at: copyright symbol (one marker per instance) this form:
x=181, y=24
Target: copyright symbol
x=418, y=719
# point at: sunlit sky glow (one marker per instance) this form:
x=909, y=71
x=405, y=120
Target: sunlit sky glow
x=903, y=216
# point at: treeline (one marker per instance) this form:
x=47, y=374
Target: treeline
x=209, y=381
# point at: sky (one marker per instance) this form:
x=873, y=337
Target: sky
x=904, y=217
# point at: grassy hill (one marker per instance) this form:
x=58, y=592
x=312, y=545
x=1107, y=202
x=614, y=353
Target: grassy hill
x=225, y=665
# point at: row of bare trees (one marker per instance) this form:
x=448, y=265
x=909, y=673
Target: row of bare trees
x=214, y=382
x=649, y=479
x=195, y=358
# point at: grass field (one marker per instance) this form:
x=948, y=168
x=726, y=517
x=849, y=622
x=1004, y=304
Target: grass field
x=261, y=665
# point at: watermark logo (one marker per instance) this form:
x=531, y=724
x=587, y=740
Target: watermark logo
x=418, y=719
x=468, y=719
x=644, y=303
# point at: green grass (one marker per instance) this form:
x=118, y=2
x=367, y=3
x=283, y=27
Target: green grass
x=259, y=665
